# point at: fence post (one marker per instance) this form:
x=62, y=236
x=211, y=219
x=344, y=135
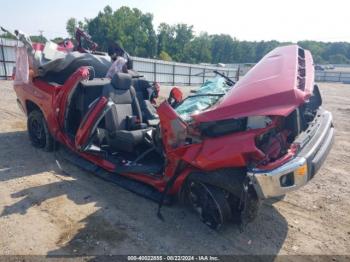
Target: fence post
x=203, y=75
x=3, y=58
x=173, y=74
x=237, y=73
x=155, y=71
x=340, y=77
x=189, y=76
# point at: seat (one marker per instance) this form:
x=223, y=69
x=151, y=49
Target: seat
x=81, y=99
x=143, y=88
x=144, y=93
x=89, y=91
x=123, y=121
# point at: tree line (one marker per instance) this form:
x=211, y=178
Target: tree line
x=135, y=32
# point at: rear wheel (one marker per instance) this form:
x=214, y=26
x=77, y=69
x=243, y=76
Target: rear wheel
x=38, y=131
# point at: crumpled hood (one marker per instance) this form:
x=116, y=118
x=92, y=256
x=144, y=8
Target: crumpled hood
x=278, y=84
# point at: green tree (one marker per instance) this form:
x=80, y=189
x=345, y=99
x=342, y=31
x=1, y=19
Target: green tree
x=71, y=26
x=57, y=40
x=165, y=37
x=7, y=35
x=38, y=39
x=101, y=27
x=131, y=28
x=198, y=50
x=338, y=59
x=164, y=56
x=134, y=31
x=222, y=49
x=334, y=52
x=183, y=35
x=316, y=48
x=263, y=47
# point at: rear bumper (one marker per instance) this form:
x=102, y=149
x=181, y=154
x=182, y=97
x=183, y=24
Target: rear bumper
x=315, y=144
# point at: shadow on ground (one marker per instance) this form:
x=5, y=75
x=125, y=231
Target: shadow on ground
x=125, y=223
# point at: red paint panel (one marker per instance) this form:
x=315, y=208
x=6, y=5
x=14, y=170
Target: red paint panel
x=269, y=88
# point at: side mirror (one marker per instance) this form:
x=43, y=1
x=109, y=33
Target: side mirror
x=175, y=97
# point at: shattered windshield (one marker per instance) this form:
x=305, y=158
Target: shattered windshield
x=206, y=96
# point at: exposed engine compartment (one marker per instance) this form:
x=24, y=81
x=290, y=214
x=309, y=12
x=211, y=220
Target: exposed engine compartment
x=278, y=140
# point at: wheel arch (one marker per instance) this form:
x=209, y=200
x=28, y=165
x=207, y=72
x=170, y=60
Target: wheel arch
x=234, y=181
x=49, y=145
x=229, y=179
x=30, y=106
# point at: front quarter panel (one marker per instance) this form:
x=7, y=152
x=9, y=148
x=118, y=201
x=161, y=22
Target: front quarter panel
x=232, y=150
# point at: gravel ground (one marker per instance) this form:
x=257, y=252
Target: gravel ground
x=45, y=212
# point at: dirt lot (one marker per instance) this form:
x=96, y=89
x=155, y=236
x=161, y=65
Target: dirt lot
x=44, y=211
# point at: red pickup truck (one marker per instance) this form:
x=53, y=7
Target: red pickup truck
x=222, y=150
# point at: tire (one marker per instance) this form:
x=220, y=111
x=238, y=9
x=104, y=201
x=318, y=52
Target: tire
x=210, y=203
x=226, y=186
x=38, y=131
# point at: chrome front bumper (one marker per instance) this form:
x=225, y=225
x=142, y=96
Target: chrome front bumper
x=269, y=183
x=315, y=142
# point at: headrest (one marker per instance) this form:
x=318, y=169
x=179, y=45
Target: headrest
x=121, y=81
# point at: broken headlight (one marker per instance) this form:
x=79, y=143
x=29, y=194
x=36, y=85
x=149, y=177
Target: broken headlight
x=223, y=127
x=256, y=122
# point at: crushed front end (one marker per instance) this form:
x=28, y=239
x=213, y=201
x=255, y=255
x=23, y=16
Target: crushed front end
x=271, y=123
x=311, y=148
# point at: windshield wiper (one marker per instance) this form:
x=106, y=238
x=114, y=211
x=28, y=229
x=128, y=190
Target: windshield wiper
x=226, y=77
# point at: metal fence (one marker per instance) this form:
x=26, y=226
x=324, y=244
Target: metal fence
x=7, y=57
x=177, y=73
x=169, y=72
x=153, y=70
x=332, y=76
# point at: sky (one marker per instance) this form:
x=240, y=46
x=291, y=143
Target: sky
x=252, y=20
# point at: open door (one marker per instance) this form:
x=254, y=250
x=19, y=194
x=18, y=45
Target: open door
x=88, y=126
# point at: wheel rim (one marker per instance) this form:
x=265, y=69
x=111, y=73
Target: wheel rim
x=37, y=132
x=209, y=207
